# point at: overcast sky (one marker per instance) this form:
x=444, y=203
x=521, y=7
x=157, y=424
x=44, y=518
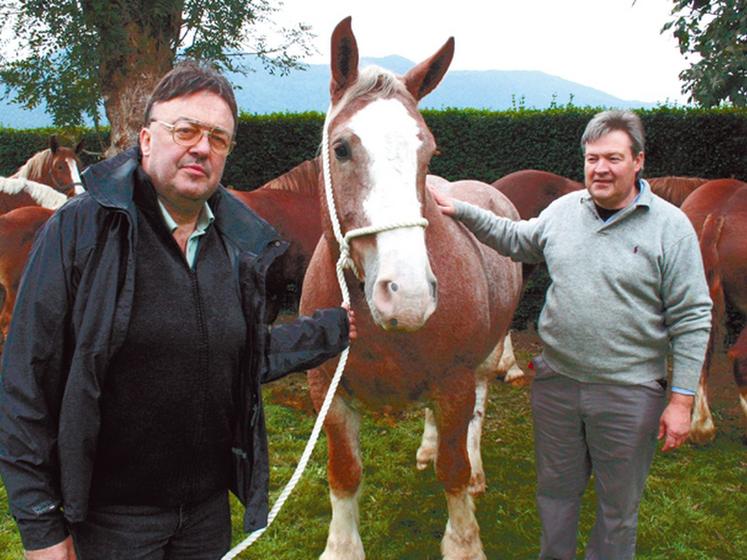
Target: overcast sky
x=610, y=45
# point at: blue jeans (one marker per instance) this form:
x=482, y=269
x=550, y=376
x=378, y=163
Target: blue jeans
x=199, y=531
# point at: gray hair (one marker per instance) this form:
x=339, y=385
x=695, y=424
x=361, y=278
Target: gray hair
x=608, y=121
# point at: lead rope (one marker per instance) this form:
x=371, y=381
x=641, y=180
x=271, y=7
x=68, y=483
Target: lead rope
x=344, y=261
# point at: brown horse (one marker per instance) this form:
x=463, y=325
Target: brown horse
x=55, y=167
x=531, y=190
x=290, y=203
x=675, y=189
x=17, y=231
x=433, y=304
x=718, y=211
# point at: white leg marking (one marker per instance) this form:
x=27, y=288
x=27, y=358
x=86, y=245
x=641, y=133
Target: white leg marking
x=474, y=435
x=344, y=540
x=702, y=429
x=508, y=361
x=462, y=536
x=428, y=449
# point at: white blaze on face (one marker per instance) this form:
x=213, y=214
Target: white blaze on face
x=403, y=293
x=75, y=176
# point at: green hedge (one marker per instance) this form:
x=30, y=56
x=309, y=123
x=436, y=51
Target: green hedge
x=484, y=145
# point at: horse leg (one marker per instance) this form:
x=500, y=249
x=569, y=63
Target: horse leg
x=508, y=363
x=428, y=450
x=477, y=482
x=738, y=355
x=455, y=402
x=702, y=428
x=428, y=443
x=344, y=474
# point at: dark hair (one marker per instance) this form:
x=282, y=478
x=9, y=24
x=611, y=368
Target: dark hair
x=608, y=121
x=188, y=77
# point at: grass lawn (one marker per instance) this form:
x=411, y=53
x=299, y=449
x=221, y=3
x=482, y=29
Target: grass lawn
x=694, y=507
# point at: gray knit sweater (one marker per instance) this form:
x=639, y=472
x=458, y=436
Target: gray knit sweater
x=623, y=293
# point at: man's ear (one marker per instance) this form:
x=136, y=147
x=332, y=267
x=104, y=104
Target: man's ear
x=145, y=141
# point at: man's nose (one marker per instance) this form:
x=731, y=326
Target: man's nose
x=203, y=144
x=601, y=166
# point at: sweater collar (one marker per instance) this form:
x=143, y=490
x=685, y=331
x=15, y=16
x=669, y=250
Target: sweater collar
x=644, y=198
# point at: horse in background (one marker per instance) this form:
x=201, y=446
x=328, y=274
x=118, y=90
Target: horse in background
x=17, y=231
x=56, y=167
x=718, y=211
x=290, y=203
x=438, y=302
x=675, y=189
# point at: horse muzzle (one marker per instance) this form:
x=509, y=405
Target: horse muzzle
x=402, y=303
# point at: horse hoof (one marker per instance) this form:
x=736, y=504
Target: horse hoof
x=477, y=486
x=513, y=375
x=423, y=458
x=703, y=436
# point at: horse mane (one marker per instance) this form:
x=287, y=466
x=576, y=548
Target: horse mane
x=43, y=195
x=373, y=81
x=34, y=165
x=675, y=189
x=303, y=179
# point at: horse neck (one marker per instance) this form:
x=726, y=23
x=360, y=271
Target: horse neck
x=303, y=179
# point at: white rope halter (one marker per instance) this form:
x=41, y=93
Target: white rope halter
x=344, y=261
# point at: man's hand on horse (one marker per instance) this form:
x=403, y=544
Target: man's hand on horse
x=444, y=203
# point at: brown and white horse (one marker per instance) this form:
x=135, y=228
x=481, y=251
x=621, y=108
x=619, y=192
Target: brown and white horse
x=718, y=211
x=47, y=179
x=434, y=303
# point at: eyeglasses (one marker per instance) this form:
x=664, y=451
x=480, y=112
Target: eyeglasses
x=188, y=133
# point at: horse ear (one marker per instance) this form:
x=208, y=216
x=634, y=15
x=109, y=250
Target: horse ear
x=422, y=79
x=344, y=59
x=53, y=144
x=79, y=146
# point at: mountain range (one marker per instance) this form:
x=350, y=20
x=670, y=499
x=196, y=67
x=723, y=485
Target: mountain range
x=260, y=92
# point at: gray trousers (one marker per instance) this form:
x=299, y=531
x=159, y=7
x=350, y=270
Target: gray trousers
x=584, y=428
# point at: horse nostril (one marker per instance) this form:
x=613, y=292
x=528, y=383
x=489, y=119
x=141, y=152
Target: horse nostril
x=434, y=289
x=393, y=286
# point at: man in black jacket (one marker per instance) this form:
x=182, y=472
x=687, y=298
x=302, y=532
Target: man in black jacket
x=130, y=396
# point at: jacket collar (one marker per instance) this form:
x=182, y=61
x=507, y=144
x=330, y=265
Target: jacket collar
x=111, y=183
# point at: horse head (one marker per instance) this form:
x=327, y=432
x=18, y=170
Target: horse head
x=378, y=148
x=62, y=168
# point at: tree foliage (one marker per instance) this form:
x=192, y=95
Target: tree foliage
x=75, y=54
x=714, y=34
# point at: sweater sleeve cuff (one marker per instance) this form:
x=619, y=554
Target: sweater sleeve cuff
x=42, y=532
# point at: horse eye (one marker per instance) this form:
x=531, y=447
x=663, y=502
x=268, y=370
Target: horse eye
x=341, y=151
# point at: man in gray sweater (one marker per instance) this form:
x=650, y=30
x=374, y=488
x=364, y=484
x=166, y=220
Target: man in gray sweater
x=627, y=288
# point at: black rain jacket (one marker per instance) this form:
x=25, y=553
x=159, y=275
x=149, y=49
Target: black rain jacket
x=72, y=315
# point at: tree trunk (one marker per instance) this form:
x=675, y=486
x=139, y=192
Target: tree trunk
x=129, y=72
